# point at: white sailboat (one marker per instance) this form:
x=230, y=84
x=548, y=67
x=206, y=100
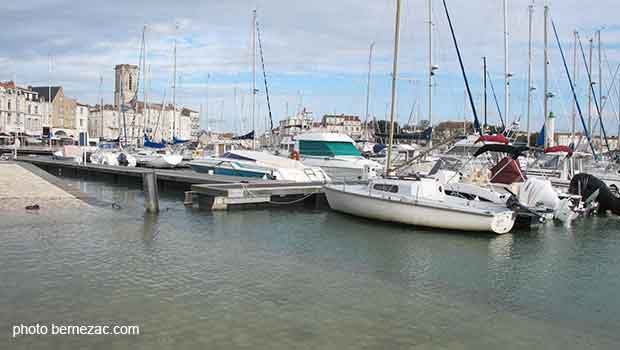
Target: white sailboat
x=150, y=158
x=416, y=201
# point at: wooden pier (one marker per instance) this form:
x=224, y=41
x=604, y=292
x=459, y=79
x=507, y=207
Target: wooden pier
x=225, y=196
x=211, y=192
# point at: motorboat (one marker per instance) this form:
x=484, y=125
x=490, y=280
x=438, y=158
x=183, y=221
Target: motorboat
x=505, y=181
x=257, y=164
x=337, y=155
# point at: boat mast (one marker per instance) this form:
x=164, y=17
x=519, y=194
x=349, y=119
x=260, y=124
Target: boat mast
x=254, y=78
x=101, y=104
x=394, y=81
x=207, y=103
x=484, y=80
x=372, y=46
x=590, y=83
x=546, y=83
x=600, y=86
x=174, y=88
x=529, y=75
x=430, y=70
x=575, y=70
x=49, y=106
x=506, y=73
x=145, y=111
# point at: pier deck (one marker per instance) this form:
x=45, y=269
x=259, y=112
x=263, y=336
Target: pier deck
x=222, y=196
x=213, y=192
x=181, y=176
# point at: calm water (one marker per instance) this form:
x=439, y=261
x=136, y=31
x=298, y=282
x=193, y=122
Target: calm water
x=299, y=279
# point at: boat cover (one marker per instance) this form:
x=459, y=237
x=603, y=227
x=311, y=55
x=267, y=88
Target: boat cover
x=493, y=138
x=507, y=172
x=514, y=151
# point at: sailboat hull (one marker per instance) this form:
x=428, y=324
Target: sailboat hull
x=167, y=161
x=418, y=214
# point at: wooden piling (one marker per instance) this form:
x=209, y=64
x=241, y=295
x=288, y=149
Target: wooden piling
x=151, y=193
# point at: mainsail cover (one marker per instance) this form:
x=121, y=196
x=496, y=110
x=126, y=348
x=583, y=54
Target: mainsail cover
x=150, y=144
x=248, y=136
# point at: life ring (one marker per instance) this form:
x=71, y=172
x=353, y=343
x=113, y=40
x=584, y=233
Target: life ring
x=295, y=155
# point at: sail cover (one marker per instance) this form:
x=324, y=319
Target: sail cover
x=176, y=141
x=150, y=144
x=555, y=149
x=248, y=136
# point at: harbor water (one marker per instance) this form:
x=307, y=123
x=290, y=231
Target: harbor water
x=299, y=278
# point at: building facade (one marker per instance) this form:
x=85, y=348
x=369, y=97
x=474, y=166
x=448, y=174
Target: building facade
x=61, y=111
x=20, y=110
x=343, y=124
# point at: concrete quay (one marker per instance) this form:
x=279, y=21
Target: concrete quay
x=22, y=186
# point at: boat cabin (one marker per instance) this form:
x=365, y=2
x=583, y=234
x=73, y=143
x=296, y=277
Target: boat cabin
x=414, y=189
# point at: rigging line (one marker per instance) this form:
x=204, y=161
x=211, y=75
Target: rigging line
x=458, y=52
x=499, y=111
x=262, y=60
x=598, y=109
x=572, y=86
x=612, y=85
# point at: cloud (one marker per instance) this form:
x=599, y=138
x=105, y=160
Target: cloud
x=318, y=47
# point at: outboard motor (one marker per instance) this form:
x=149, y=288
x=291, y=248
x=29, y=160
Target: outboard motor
x=122, y=159
x=587, y=185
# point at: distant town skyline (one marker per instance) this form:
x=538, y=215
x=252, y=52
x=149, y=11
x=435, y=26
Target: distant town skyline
x=315, y=53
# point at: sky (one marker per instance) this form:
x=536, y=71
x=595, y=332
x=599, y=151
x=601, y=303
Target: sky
x=315, y=55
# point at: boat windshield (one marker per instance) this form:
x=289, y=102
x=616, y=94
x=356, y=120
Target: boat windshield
x=549, y=161
x=230, y=155
x=328, y=149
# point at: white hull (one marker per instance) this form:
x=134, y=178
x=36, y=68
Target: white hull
x=344, y=170
x=418, y=214
x=166, y=161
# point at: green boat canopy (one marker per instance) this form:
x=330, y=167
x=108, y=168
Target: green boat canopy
x=327, y=149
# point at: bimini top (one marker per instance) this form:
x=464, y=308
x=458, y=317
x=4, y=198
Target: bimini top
x=515, y=152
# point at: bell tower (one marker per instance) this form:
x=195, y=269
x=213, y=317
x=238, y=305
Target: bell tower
x=126, y=83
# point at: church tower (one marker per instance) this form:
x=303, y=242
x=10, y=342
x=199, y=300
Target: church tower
x=126, y=83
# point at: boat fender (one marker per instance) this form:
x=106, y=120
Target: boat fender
x=122, y=159
x=295, y=155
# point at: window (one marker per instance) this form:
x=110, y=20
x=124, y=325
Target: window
x=29, y=109
x=9, y=105
x=36, y=109
x=130, y=82
x=386, y=188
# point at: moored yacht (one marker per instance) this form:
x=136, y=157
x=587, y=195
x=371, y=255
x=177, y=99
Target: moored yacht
x=259, y=165
x=337, y=155
x=420, y=202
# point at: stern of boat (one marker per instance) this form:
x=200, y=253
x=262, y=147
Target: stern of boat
x=503, y=222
